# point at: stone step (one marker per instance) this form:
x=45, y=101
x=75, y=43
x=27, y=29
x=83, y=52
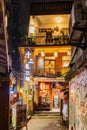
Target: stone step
x=46, y=113
x=47, y=117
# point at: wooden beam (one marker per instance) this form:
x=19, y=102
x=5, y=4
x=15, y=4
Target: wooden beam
x=55, y=7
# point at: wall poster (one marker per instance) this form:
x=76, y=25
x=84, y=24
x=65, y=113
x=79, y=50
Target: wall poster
x=78, y=102
x=21, y=116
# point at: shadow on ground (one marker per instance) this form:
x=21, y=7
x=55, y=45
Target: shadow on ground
x=55, y=125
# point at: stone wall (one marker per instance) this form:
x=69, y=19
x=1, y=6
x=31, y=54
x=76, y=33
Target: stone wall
x=78, y=102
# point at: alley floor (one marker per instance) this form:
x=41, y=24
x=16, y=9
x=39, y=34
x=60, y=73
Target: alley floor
x=45, y=123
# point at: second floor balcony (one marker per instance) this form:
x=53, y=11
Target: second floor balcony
x=44, y=41
x=50, y=72
x=47, y=37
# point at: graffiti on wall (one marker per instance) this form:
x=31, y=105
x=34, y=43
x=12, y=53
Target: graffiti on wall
x=78, y=101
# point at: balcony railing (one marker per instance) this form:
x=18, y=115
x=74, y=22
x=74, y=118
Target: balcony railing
x=50, y=72
x=42, y=41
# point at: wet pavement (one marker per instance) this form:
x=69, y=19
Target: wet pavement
x=45, y=124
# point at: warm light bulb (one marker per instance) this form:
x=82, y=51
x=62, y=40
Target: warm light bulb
x=59, y=20
x=21, y=91
x=69, y=53
x=55, y=54
x=42, y=53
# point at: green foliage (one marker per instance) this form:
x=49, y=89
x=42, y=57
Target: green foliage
x=24, y=39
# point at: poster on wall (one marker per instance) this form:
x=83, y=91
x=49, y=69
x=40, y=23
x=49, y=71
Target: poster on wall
x=78, y=102
x=21, y=120
x=14, y=116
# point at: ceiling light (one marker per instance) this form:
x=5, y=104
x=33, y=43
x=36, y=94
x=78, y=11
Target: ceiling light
x=59, y=20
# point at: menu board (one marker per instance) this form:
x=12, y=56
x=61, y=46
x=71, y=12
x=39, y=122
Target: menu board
x=21, y=116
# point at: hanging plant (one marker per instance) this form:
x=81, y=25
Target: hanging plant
x=24, y=39
x=56, y=28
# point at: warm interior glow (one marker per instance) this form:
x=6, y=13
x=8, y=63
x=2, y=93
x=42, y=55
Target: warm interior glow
x=31, y=29
x=61, y=49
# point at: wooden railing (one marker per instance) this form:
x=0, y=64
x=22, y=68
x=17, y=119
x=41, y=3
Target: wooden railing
x=50, y=72
x=51, y=41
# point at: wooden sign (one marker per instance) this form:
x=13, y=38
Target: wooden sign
x=21, y=116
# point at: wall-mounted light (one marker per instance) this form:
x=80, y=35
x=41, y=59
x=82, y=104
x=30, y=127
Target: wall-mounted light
x=42, y=53
x=55, y=54
x=69, y=53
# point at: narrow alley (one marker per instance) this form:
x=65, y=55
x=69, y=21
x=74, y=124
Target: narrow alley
x=43, y=64
x=46, y=122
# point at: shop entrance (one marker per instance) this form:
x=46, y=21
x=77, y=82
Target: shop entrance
x=47, y=98
x=44, y=96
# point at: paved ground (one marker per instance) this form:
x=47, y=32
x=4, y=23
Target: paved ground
x=45, y=124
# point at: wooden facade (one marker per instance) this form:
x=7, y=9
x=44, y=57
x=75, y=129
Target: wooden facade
x=4, y=102
x=56, y=7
